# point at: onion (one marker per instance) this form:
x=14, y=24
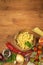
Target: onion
x=1, y=57
x=6, y=53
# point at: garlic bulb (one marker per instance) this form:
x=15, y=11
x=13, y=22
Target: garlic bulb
x=14, y=62
x=19, y=58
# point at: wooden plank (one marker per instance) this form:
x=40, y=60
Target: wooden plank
x=21, y=5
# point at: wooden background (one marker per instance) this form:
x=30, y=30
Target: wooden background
x=19, y=14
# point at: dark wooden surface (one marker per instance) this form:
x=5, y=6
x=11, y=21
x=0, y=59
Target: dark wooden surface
x=19, y=14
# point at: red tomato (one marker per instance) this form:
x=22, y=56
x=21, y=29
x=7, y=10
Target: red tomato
x=39, y=47
x=35, y=48
x=41, y=41
x=36, y=58
x=39, y=52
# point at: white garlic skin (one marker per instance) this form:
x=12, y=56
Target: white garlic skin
x=19, y=58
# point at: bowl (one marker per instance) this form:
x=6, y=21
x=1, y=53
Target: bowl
x=14, y=40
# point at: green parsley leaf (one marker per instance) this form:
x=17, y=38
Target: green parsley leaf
x=28, y=44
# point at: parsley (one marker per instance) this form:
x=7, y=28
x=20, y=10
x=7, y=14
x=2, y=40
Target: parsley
x=28, y=44
x=11, y=58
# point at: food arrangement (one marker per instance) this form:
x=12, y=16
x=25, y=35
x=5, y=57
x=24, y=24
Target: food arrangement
x=30, y=49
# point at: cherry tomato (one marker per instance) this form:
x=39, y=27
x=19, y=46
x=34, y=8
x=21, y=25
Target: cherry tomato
x=39, y=47
x=41, y=41
x=39, y=52
x=35, y=48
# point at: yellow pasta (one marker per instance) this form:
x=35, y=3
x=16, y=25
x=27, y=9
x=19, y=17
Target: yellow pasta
x=22, y=38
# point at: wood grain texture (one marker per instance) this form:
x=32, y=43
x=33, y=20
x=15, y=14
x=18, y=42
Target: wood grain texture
x=16, y=15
